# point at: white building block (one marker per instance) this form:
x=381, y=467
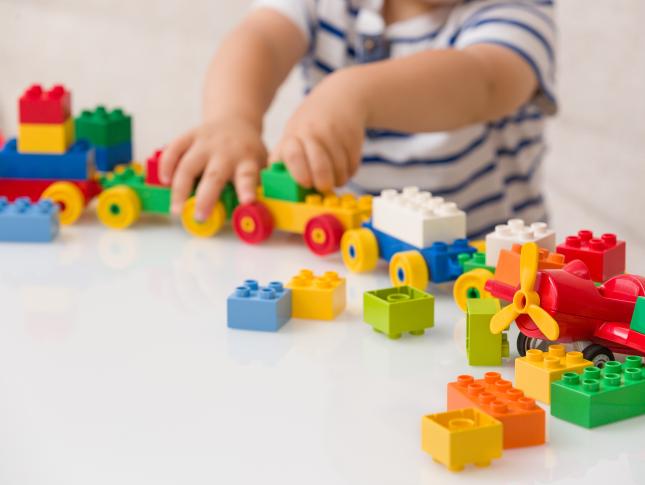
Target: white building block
x=417, y=217
x=516, y=232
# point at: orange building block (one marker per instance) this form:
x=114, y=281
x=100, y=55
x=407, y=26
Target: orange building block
x=508, y=264
x=523, y=420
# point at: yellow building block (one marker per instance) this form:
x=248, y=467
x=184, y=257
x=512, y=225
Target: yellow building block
x=292, y=216
x=535, y=372
x=458, y=438
x=45, y=137
x=317, y=297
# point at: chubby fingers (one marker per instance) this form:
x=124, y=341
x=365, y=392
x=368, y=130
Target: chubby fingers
x=183, y=181
x=172, y=154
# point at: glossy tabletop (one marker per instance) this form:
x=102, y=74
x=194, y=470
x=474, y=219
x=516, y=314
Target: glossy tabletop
x=116, y=367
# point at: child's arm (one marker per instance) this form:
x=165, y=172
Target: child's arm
x=429, y=91
x=242, y=79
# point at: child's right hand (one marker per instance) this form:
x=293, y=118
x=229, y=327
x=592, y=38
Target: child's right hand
x=228, y=149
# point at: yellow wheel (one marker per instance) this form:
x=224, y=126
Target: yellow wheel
x=69, y=198
x=471, y=285
x=207, y=228
x=409, y=268
x=359, y=249
x=118, y=207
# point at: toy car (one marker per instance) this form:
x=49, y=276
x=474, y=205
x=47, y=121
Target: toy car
x=565, y=305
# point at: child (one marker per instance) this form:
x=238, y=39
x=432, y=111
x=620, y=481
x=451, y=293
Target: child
x=447, y=95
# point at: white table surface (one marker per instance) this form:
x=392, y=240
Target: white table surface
x=116, y=367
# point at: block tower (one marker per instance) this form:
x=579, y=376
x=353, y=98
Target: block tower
x=110, y=132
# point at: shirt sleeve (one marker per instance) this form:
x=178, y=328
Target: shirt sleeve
x=526, y=27
x=300, y=12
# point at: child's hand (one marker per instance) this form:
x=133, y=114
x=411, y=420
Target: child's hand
x=322, y=142
x=218, y=151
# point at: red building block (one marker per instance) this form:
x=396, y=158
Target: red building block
x=152, y=169
x=523, y=420
x=604, y=256
x=39, y=106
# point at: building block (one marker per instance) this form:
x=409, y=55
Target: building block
x=516, y=232
x=417, y=218
x=508, y=264
x=103, y=128
x=108, y=158
x=604, y=256
x=45, y=138
x=37, y=105
x=277, y=183
x=461, y=437
x=317, y=297
x=597, y=397
x=13, y=189
x=152, y=168
x=482, y=346
x=535, y=372
x=252, y=307
x=24, y=221
x=473, y=261
x=638, y=318
x=76, y=164
x=394, y=311
x=523, y=420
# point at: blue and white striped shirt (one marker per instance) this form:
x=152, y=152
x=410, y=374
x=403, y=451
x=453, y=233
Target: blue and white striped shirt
x=492, y=170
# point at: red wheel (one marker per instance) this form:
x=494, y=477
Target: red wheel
x=252, y=222
x=323, y=234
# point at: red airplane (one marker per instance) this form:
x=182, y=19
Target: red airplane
x=564, y=305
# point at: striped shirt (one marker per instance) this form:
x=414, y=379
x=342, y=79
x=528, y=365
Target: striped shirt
x=492, y=170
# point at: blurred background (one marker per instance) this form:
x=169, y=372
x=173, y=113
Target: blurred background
x=150, y=56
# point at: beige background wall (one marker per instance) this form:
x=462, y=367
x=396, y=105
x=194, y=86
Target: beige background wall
x=150, y=56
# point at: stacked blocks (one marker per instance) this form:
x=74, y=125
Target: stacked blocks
x=394, y=311
x=516, y=232
x=523, y=420
x=482, y=346
x=111, y=134
x=252, y=307
x=461, y=437
x=45, y=123
x=600, y=397
x=604, y=256
x=417, y=218
x=24, y=221
x=317, y=297
x=535, y=372
x=638, y=318
x=277, y=183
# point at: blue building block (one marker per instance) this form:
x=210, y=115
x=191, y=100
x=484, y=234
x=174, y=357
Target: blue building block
x=252, y=307
x=76, y=164
x=107, y=158
x=442, y=258
x=24, y=221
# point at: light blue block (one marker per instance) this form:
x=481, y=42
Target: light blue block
x=107, y=158
x=252, y=307
x=24, y=221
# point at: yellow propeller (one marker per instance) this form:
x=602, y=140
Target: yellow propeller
x=526, y=300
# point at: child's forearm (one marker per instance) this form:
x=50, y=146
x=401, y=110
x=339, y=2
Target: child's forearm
x=250, y=65
x=442, y=90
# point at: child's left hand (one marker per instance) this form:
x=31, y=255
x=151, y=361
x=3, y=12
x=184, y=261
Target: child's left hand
x=322, y=142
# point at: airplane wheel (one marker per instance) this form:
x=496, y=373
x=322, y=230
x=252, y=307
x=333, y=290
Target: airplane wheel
x=525, y=343
x=359, y=249
x=598, y=354
x=409, y=268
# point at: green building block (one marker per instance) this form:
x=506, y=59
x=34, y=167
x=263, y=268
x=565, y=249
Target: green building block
x=277, y=183
x=469, y=262
x=229, y=199
x=600, y=397
x=394, y=311
x=482, y=346
x=638, y=318
x=104, y=128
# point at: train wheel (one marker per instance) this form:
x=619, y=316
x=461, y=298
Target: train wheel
x=323, y=234
x=252, y=222
x=118, y=207
x=360, y=250
x=409, y=268
x=207, y=228
x=69, y=198
x=471, y=285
